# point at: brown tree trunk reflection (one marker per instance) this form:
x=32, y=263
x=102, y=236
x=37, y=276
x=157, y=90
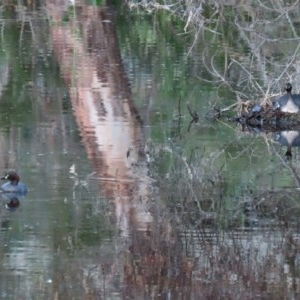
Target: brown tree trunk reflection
x=87, y=50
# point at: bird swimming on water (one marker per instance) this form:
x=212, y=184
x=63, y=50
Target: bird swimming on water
x=289, y=102
x=13, y=185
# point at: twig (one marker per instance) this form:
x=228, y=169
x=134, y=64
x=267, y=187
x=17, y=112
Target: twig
x=194, y=115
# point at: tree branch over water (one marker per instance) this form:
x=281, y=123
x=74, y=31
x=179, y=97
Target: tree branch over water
x=258, y=33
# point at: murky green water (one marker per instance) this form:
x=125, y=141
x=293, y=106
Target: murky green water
x=97, y=222
x=166, y=77
x=65, y=212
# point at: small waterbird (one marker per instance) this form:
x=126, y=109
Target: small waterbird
x=13, y=185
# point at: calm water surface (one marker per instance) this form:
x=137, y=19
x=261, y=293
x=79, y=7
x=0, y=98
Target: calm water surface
x=64, y=211
x=72, y=216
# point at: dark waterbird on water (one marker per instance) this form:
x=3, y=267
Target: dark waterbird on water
x=13, y=185
x=289, y=102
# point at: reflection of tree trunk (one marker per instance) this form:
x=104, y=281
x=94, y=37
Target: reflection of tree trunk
x=111, y=132
x=103, y=106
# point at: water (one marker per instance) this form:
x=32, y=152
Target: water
x=124, y=200
x=64, y=210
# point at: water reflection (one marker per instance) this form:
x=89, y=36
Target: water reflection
x=39, y=137
x=12, y=200
x=13, y=204
x=71, y=241
x=288, y=138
